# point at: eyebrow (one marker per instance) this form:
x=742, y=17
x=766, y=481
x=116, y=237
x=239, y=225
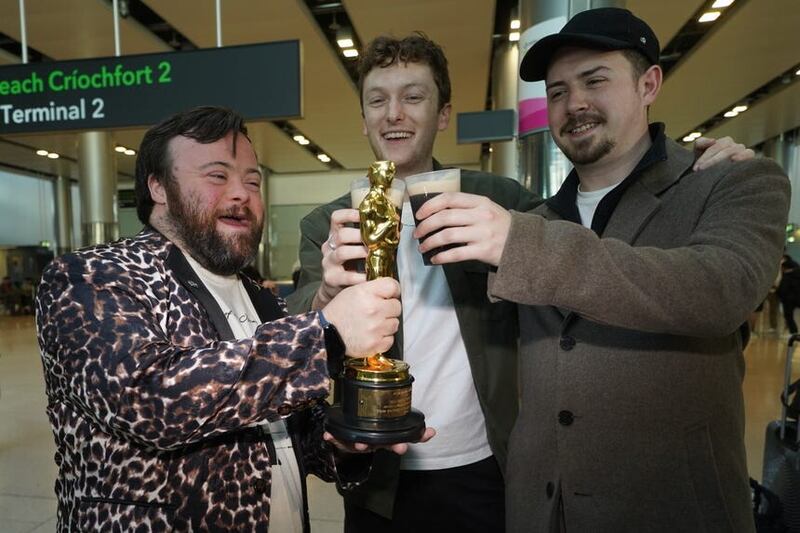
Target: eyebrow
x=582, y=75
x=228, y=166
x=405, y=87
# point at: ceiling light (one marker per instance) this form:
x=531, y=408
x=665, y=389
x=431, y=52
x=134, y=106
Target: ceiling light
x=130, y=152
x=709, y=16
x=350, y=52
x=740, y=108
x=121, y=149
x=513, y=36
x=797, y=73
x=299, y=138
x=730, y=114
x=696, y=134
x=304, y=142
x=515, y=24
x=345, y=43
x=324, y=158
x=42, y=153
x=721, y=3
x=688, y=139
x=52, y=155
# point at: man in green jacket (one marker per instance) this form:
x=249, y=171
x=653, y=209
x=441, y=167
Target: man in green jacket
x=462, y=349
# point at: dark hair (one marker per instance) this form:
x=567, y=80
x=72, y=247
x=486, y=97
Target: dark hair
x=639, y=63
x=206, y=124
x=385, y=51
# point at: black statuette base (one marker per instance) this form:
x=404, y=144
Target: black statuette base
x=408, y=428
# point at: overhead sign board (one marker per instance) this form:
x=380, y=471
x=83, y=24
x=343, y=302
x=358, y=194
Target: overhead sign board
x=260, y=81
x=486, y=126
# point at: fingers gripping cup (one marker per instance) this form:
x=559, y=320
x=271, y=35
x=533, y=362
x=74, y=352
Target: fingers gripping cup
x=423, y=187
x=358, y=190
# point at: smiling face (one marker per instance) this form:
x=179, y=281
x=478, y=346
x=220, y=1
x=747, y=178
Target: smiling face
x=597, y=109
x=402, y=115
x=212, y=201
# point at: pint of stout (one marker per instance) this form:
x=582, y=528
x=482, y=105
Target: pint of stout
x=358, y=190
x=423, y=187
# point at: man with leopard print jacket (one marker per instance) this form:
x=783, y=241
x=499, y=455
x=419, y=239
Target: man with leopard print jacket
x=157, y=398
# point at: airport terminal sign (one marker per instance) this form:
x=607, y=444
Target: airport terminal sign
x=260, y=81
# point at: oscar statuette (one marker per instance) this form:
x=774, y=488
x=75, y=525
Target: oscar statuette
x=376, y=391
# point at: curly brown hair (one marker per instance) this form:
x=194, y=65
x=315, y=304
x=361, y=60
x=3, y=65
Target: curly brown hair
x=384, y=51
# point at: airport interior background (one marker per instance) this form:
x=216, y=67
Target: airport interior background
x=735, y=72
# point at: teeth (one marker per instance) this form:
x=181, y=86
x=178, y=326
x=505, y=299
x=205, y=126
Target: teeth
x=584, y=127
x=397, y=135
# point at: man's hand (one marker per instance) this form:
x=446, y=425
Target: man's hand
x=477, y=222
x=366, y=316
x=709, y=152
x=360, y=447
x=343, y=244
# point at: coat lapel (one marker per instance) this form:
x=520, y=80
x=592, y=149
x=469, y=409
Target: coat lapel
x=263, y=300
x=641, y=201
x=187, y=277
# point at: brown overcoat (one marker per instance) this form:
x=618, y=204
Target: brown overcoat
x=631, y=364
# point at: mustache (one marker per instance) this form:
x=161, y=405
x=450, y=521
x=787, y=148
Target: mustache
x=583, y=118
x=237, y=212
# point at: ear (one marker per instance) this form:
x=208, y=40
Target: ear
x=363, y=125
x=650, y=84
x=444, y=117
x=157, y=191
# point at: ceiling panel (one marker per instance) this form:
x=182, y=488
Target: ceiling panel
x=666, y=18
x=756, y=44
x=279, y=152
x=74, y=29
x=332, y=117
x=24, y=158
x=769, y=118
x=464, y=30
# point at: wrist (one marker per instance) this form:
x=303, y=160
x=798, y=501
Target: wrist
x=334, y=345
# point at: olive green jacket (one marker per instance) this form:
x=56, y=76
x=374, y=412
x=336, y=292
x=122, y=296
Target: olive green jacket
x=489, y=330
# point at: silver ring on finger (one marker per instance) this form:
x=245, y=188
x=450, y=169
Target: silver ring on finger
x=330, y=242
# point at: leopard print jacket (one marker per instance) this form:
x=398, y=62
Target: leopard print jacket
x=155, y=418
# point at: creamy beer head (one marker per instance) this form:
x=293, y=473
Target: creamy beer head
x=431, y=183
x=360, y=187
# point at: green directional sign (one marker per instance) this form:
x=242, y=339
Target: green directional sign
x=260, y=81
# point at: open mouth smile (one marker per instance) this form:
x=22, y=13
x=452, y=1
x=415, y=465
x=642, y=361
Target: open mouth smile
x=582, y=129
x=397, y=135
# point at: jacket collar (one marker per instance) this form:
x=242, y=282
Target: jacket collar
x=187, y=277
x=623, y=212
x=265, y=304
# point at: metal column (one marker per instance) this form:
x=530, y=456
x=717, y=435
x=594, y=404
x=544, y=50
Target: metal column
x=63, y=194
x=98, y=187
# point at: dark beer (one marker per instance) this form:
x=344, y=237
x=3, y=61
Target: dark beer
x=423, y=187
x=416, y=202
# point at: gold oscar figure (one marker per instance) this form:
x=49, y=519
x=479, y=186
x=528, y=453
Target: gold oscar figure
x=380, y=232
x=376, y=390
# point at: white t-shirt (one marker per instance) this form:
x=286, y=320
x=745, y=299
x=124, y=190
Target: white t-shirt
x=443, y=388
x=286, y=499
x=587, y=203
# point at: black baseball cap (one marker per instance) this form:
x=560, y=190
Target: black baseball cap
x=605, y=28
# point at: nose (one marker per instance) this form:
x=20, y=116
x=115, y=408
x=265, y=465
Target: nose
x=236, y=191
x=577, y=101
x=396, y=112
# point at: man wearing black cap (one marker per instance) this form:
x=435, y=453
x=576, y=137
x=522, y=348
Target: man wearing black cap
x=632, y=282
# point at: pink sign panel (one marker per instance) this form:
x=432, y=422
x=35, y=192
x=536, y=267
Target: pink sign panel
x=533, y=114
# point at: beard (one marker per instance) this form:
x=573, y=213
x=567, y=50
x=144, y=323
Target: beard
x=584, y=151
x=223, y=255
